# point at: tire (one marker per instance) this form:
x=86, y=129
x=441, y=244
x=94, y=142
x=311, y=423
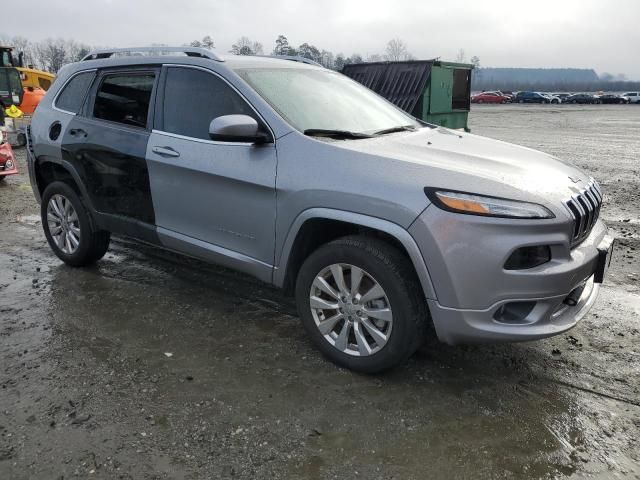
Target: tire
x=22, y=140
x=520, y=101
x=91, y=244
x=480, y=101
x=401, y=295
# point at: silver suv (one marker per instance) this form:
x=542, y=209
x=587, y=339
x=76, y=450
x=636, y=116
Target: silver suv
x=380, y=224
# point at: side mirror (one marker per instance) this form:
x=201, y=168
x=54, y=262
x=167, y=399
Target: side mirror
x=236, y=128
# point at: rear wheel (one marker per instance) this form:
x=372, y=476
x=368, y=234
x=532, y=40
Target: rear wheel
x=360, y=301
x=68, y=227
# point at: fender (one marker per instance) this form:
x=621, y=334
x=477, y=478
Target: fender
x=396, y=231
x=64, y=164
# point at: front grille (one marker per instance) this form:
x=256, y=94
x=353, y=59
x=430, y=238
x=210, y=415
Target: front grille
x=584, y=208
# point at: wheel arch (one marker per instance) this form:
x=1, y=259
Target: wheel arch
x=317, y=226
x=49, y=170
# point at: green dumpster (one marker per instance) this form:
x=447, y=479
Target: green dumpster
x=435, y=91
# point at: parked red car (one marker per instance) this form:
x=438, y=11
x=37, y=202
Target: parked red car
x=489, y=97
x=7, y=160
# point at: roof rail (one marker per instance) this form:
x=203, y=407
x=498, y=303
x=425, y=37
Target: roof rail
x=294, y=58
x=189, y=51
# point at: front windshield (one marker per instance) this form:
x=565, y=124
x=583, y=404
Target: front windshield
x=311, y=99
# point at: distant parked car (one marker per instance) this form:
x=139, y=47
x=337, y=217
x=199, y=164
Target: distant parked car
x=507, y=94
x=634, y=97
x=613, y=98
x=583, y=98
x=561, y=96
x=552, y=98
x=489, y=97
x=531, y=97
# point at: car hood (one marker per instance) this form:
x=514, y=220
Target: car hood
x=466, y=162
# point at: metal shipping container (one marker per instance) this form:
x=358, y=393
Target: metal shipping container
x=435, y=91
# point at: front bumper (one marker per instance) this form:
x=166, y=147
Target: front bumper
x=550, y=316
x=479, y=301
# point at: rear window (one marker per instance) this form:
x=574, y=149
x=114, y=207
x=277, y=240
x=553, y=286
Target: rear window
x=72, y=95
x=125, y=98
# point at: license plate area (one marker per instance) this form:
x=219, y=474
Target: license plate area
x=605, y=251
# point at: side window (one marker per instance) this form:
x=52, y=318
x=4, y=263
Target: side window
x=125, y=98
x=44, y=83
x=72, y=95
x=192, y=98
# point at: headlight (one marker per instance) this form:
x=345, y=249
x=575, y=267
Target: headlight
x=8, y=165
x=471, y=204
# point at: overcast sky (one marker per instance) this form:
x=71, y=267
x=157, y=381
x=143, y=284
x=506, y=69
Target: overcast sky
x=599, y=34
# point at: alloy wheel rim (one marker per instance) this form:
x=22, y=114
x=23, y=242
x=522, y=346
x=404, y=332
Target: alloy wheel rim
x=63, y=223
x=351, y=309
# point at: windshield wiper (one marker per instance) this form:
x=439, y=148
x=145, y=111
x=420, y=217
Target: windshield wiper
x=400, y=128
x=319, y=132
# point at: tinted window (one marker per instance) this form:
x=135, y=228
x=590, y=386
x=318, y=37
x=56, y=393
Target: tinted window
x=72, y=95
x=203, y=96
x=125, y=98
x=44, y=83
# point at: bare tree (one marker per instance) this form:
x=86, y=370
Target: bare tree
x=246, y=46
x=397, y=50
x=52, y=54
x=76, y=51
x=461, y=56
x=206, y=42
x=326, y=59
x=475, y=61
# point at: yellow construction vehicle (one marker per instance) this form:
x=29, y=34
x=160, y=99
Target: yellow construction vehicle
x=34, y=82
x=35, y=78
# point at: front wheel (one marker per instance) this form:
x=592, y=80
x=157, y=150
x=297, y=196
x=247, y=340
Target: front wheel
x=361, y=303
x=68, y=227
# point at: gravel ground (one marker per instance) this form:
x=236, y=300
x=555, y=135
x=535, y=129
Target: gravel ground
x=152, y=366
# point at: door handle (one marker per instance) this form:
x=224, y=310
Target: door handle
x=165, y=151
x=77, y=132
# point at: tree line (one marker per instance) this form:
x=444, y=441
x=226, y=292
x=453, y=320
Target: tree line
x=52, y=53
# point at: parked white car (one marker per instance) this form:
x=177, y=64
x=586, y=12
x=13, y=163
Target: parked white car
x=634, y=97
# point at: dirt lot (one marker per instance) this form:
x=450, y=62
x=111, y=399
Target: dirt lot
x=150, y=366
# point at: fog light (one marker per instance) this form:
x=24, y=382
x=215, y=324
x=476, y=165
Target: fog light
x=528, y=257
x=514, y=312
x=8, y=165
